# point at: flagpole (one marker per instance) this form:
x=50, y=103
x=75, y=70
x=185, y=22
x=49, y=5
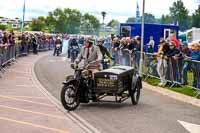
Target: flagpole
x=137, y=13
x=22, y=25
x=142, y=40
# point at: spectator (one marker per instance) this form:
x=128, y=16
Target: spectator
x=172, y=38
x=195, y=65
x=162, y=62
x=125, y=53
x=34, y=44
x=115, y=50
x=150, y=45
x=174, y=55
x=5, y=38
x=137, y=50
x=107, y=45
x=131, y=48
x=185, y=67
x=1, y=37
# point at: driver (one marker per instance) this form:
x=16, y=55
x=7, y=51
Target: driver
x=91, y=54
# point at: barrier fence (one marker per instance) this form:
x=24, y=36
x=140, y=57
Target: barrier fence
x=9, y=52
x=174, y=72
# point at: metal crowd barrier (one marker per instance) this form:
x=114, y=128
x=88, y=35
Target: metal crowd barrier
x=9, y=52
x=177, y=72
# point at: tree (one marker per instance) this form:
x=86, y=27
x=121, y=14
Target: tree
x=90, y=24
x=64, y=21
x=2, y=27
x=179, y=14
x=166, y=19
x=113, y=23
x=38, y=24
x=149, y=18
x=196, y=18
x=131, y=20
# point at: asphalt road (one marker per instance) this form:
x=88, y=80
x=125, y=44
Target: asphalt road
x=155, y=113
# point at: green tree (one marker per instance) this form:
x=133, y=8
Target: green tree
x=113, y=23
x=131, y=20
x=166, y=19
x=38, y=24
x=90, y=24
x=149, y=18
x=64, y=21
x=179, y=14
x=196, y=18
x=2, y=27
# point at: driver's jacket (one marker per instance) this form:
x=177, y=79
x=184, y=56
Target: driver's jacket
x=94, y=55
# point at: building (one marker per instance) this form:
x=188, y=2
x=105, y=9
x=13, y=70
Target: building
x=14, y=23
x=191, y=36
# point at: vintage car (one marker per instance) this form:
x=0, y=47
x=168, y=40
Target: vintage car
x=120, y=82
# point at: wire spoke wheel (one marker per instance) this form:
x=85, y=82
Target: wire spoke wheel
x=69, y=98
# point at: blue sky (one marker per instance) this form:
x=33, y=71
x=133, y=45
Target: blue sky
x=116, y=9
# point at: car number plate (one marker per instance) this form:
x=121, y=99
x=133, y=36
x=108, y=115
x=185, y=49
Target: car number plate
x=103, y=82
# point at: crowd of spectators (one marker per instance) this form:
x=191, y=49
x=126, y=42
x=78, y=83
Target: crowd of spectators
x=173, y=59
x=26, y=42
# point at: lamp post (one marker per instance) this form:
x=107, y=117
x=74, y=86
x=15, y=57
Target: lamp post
x=24, y=9
x=142, y=40
x=103, y=13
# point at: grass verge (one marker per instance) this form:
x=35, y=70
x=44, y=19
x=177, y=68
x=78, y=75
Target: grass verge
x=183, y=89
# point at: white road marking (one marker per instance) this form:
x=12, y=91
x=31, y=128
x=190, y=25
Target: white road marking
x=61, y=59
x=191, y=128
x=14, y=71
x=22, y=77
x=24, y=85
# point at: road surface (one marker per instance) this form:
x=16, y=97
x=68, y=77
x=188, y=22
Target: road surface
x=155, y=113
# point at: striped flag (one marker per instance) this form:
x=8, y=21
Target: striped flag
x=24, y=9
x=137, y=13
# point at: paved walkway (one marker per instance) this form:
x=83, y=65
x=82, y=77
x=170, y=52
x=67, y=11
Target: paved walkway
x=23, y=107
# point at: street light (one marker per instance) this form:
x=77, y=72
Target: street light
x=103, y=13
x=142, y=40
x=24, y=9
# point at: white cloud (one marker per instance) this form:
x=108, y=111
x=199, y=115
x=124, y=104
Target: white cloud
x=117, y=9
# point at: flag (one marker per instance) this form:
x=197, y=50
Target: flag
x=24, y=9
x=137, y=13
